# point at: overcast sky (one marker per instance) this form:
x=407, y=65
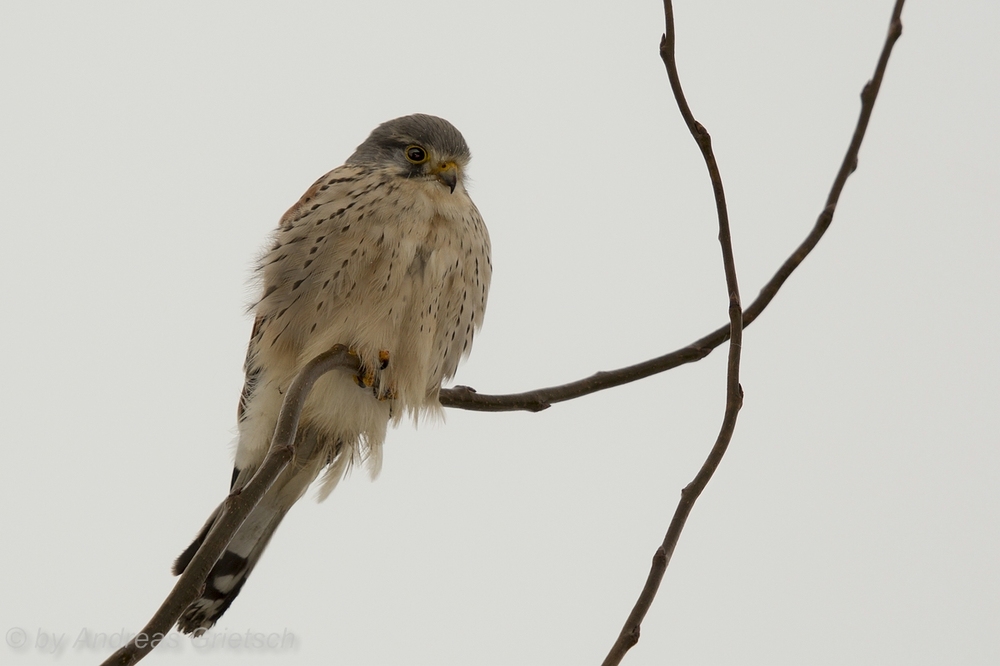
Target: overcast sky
x=148, y=149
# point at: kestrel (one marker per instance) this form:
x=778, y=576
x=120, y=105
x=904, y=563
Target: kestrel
x=388, y=255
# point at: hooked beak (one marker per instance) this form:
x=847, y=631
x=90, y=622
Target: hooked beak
x=447, y=173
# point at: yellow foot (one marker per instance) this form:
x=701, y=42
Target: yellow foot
x=366, y=376
x=387, y=394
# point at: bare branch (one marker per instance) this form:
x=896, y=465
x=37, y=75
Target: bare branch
x=463, y=397
x=629, y=635
x=237, y=506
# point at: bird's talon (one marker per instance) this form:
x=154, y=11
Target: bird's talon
x=383, y=358
x=365, y=377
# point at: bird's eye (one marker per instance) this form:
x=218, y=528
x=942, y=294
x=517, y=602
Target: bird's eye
x=416, y=154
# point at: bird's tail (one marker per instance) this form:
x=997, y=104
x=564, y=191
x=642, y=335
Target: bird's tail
x=231, y=570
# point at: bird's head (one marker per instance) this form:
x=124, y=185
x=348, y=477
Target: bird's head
x=417, y=146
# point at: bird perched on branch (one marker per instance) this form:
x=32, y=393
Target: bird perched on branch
x=388, y=255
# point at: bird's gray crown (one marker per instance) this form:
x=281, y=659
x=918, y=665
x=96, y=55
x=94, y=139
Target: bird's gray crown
x=388, y=139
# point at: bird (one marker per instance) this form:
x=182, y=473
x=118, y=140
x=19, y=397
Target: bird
x=387, y=255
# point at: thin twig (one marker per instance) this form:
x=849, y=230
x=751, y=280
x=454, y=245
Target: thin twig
x=236, y=507
x=463, y=397
x=629, y=634
x=239, y=505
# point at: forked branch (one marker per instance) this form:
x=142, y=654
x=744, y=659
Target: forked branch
x=238, y=506
x=629, y=634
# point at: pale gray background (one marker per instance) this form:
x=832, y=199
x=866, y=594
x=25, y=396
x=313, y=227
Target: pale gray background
x=148, y=150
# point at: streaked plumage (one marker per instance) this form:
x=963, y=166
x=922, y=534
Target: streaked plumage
x=384, y=254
